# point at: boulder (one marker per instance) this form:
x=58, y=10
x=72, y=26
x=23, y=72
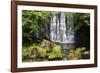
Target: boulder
x=47, y=44
x=86, y=55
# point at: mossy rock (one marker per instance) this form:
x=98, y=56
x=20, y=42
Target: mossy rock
x=47, y=44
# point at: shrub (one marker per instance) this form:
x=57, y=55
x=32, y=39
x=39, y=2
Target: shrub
x=75, y=54
x=55, y=53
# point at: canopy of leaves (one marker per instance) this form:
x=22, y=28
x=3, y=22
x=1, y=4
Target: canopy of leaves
x=81, y=19
x=33, y=23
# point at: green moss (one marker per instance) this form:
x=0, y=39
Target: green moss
x=56, y=53
x=34, y=51
x=75, y=54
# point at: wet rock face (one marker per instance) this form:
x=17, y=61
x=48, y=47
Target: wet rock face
x=47, y=44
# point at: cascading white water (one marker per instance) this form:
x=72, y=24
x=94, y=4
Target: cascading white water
x=53, y=28
x=62, y=31
x=55, y=31
x=63, y=37
x=70, y=29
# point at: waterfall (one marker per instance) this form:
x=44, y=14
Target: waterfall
x=55, y=31
x=63, y=36
x=70, y=29
x=53, y=34
x=62, y=28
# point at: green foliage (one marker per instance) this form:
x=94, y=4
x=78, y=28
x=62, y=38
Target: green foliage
x=35, y=51
x=34, y=22
x=55, y=56
x=41, y=52
x=75, y=54
x=24, y=53
x=27, y=54
x=81, y=19
x=36, y=27
x=55, y=53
